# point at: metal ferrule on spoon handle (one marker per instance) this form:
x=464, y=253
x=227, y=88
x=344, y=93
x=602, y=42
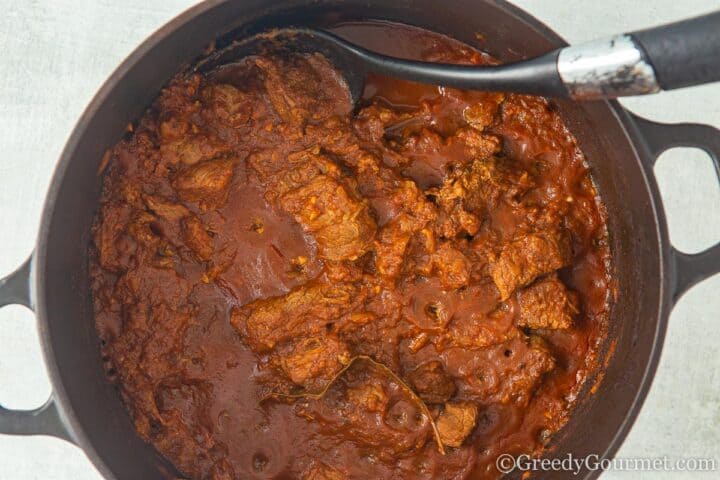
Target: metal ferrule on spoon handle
x=609, y=68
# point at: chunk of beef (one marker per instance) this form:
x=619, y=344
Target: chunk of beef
x=197, y=238
x=304, y=311
x=304, y=88
x=451, y=266
x=340, y=223
x=226, y=105
x=476, y=190
x=392, y=240
x=175, y=107
x=505, y=373
x=419, y=254
x=547, y=303
x=283, y=173
x=478, y=331
x=165, y=208
x=192, y=149
x=476, y=145
x=313, y=361
x=130, y=192
x=409, y=214
x=312, y=189
x=173, y=127
x=527, y=257
x=371, y=396
x=398, y=205
x=454, y=220
x=456, y=422
x=115, y=247
x=488, y=180
x=206, y=183
x=431, y=383
x=390, y=194
x=481, y=114
x=375, y=121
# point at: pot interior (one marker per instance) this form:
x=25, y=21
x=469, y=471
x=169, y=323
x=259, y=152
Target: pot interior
x=92, y=406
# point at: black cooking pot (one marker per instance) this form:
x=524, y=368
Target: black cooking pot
x=621, y=148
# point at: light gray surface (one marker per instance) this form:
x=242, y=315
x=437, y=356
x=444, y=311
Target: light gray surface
x=56, y=54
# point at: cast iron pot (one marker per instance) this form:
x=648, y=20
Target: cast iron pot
x=621, y=148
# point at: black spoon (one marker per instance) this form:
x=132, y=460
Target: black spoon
x=671, y=56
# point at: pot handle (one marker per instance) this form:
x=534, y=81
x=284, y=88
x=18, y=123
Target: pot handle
x=45, y=420
x=689, y=268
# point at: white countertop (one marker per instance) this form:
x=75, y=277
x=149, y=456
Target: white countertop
x=56, y=54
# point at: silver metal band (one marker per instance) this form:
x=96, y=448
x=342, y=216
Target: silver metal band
x=609, y=68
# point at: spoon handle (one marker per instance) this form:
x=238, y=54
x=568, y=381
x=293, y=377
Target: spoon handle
x=677, y=55
x=685, y=53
